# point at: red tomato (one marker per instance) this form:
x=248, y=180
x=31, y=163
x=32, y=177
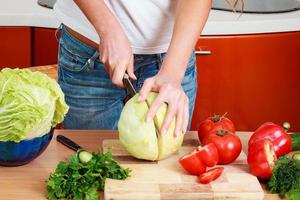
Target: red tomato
x=228, y=144
x=192, y=163
x=208, y=154
x=216, y=121
x=210, y=175
x=261, y=158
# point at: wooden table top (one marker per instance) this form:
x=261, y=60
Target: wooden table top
x=28, y=181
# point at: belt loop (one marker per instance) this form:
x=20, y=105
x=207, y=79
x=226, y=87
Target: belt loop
x=58, y=32
x=91, y=61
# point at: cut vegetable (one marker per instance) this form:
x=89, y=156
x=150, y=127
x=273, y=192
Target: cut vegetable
x=139, y=137
x=192, y=163
x=296, y=156
x=84, y=156
x=283, y=142
x=210, y=175
x=208, y=154
x=261, y=158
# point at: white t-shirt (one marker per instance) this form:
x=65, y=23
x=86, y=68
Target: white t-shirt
x=148, y=24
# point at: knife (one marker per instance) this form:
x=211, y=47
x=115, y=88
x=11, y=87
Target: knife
x=129, y=86
x=69, y=143
x=132, y=91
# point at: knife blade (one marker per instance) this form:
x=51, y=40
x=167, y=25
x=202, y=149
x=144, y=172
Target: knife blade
x=132, y=91
x=128, y=85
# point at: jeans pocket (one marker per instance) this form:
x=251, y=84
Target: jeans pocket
x=71, y=61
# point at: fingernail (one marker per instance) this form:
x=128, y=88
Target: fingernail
x=163, y=131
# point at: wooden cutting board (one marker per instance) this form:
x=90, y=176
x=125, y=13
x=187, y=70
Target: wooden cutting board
x=166, y=180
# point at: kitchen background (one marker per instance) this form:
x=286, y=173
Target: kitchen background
x=248, y=64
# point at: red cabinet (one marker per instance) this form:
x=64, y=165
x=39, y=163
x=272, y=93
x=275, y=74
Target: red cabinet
x=44, y=47
x=254, y=78
x=15, y=47
x=27, y=46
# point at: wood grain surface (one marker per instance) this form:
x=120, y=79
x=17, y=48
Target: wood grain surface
x=28, y=182
x=166, y=179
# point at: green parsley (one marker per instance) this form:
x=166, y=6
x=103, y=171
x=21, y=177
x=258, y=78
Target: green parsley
x=77, y=180
x=285, y=177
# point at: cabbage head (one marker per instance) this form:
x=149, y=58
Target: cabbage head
x=31, y=103
x=139, y=137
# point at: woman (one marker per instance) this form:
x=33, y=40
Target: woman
x=151, y=40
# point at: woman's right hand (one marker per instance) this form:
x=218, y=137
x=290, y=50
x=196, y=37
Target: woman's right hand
x=116, y=54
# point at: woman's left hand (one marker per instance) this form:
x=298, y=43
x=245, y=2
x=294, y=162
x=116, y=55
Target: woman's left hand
x=169, y=91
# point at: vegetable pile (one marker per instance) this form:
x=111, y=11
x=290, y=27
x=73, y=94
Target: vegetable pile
x=277, y=142
x=83, y=176
x=196, y=163
x=221, y=146
x=31, y=103
x=139, y=138
x=220, y=130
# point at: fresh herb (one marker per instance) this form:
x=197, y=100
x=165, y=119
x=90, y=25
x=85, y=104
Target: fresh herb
x=77, y=180
x=293, y=195
x=285, y=176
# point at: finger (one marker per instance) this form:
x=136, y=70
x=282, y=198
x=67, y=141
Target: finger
x=103, y=54
x=179, y=117
x=130, y=68
x=118, y=74
x=158, y=101
x=186, y=115
x=169, y=117
x=146, y=88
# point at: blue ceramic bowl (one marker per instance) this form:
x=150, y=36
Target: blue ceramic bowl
x=16, y=154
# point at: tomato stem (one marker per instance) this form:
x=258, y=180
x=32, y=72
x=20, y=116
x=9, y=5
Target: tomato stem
x=216, y=118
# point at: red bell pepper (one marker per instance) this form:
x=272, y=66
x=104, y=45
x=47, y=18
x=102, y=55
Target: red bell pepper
x=283, y=142
x=261, y=158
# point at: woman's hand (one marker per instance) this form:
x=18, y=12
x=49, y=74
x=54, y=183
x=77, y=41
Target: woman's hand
x=116, y=54
x=169, y=91
x=114, y=47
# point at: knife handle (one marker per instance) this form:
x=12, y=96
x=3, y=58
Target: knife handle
x=68, y=143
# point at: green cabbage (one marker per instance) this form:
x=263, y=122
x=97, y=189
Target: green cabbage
x=31, y=103
x=139, y=137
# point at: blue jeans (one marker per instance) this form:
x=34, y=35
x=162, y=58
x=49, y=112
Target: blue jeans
x=95, y=102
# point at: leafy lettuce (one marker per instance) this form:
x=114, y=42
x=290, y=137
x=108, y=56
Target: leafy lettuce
x=31, y=103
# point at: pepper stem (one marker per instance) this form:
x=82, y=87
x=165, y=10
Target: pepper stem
x=286, y=126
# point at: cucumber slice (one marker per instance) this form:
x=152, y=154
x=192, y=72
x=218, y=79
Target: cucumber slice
x=296, y=156
x=84, y=156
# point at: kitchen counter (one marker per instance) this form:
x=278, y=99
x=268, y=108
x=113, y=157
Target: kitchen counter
x=28, y=182
x=29, y=13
